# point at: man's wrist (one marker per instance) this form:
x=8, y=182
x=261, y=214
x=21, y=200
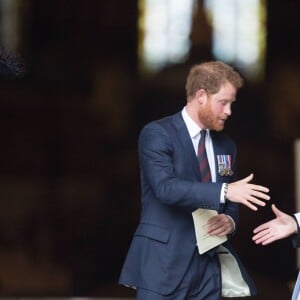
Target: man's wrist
x=233, y=223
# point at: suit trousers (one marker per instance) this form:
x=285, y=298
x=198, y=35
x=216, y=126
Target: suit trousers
x=202, y=281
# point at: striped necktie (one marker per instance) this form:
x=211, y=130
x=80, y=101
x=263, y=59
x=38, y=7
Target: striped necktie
x=202, y=159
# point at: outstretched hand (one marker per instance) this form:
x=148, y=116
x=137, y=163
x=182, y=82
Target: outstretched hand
x=251, y=195
x=280, y=227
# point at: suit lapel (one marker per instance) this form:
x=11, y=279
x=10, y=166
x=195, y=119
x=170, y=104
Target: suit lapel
x=217, y=149
x=187, y=145
x=186, y=142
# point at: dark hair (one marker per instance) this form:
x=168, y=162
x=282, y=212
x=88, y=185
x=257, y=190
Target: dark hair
x=210, y=76
x=10, y=66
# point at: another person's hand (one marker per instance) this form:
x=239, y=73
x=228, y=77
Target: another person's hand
x=251, y=195
x=220, y=225
x=281, y=227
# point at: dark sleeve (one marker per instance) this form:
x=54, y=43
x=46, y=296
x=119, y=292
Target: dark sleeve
x=157, y=167
x=296, y=236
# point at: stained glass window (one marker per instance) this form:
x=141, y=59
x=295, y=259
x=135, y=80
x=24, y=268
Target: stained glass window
x=239, y=33
x=164, y=28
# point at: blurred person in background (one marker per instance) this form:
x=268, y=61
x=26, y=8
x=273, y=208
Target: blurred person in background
x=11, y=66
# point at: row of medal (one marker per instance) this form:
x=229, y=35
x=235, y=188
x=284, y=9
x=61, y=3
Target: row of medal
x=224, y=165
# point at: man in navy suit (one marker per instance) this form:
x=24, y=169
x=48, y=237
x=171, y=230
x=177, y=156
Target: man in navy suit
x=281, y=227
x=163, y=261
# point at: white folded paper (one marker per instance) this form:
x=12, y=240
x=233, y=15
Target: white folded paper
x=205, y=241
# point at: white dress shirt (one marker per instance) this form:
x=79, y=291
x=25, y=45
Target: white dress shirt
x=194, y=132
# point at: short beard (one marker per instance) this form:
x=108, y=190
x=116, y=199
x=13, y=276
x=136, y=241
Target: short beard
x=206, y=118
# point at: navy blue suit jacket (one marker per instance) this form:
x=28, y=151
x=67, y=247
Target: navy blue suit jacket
x=171, y=187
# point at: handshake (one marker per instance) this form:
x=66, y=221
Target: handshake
x=252, y=195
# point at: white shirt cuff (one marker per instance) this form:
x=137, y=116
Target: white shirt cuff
x=222, y=197
x=297, y=216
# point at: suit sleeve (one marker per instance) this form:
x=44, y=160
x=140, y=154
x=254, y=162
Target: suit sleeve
x=157, y=169
x=296, y=237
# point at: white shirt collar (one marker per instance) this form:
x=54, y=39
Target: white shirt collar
x=194, y=132
x=191, y=125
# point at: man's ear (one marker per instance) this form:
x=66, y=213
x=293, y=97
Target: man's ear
x=201, y=96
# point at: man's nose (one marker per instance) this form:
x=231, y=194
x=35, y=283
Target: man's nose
x=227, y=110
